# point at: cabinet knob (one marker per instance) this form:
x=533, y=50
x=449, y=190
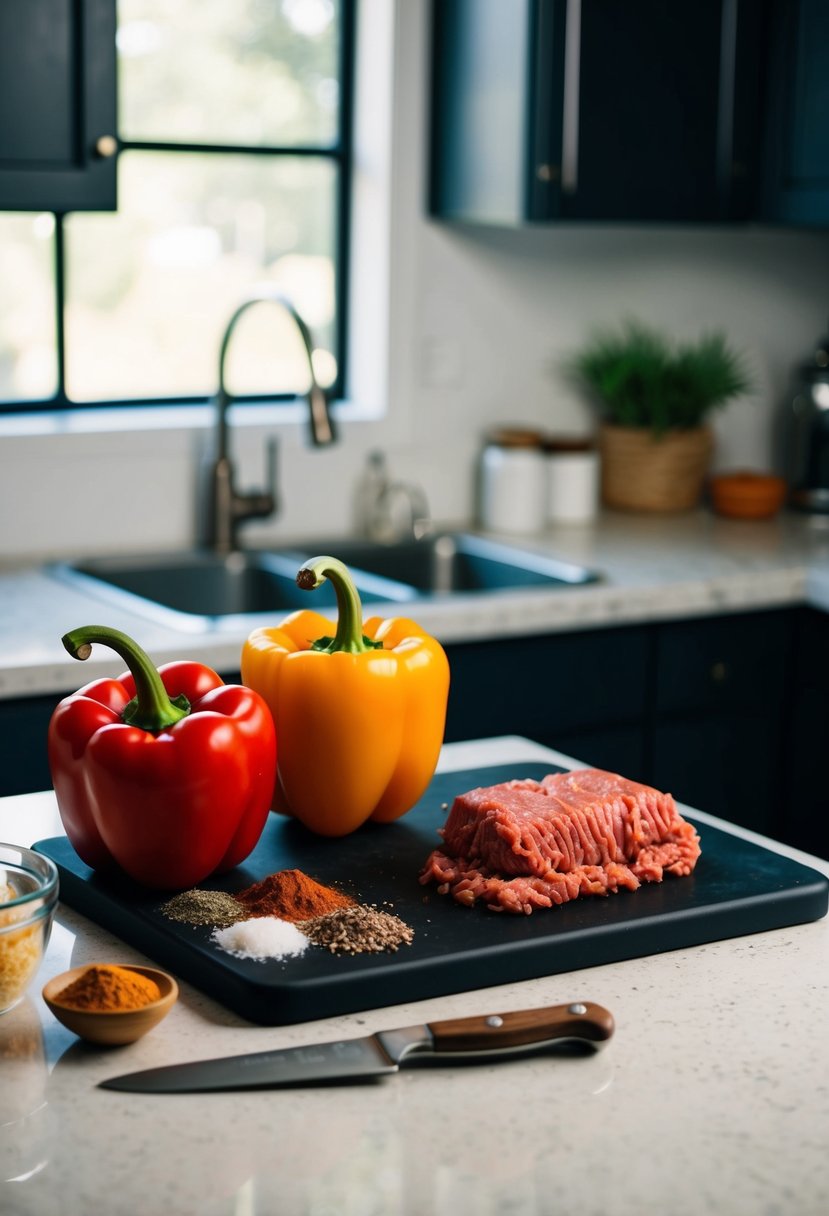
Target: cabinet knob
x=106, y=146
x=719, y=672
x=547, y=173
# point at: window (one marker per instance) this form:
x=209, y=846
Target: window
x=233, y=170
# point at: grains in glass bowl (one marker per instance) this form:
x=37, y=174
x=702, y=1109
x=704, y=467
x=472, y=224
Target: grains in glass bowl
x=28, y=898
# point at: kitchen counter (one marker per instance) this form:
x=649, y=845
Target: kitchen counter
x=712, y=1096
x=652, y=569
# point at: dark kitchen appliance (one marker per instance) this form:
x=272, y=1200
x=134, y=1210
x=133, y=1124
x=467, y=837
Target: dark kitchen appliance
x=806, y=433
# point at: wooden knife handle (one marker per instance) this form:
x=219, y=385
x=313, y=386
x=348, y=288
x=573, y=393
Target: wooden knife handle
x=494, y=1032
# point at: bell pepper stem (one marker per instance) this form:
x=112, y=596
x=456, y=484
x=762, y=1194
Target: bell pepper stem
x=151, y=708
x=349, y=637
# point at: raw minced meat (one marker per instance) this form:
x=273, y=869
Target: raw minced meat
x=532, y=844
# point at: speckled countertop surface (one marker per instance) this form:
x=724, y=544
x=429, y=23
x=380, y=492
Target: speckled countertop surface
x=712, y=1097
x=651, y=569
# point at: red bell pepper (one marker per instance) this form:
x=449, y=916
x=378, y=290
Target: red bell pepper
x=169, y=772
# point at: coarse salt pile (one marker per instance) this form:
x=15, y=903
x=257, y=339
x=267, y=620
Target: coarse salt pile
x=260, y=938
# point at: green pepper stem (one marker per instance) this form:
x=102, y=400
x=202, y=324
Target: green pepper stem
x=151, y=708
x=349, y=636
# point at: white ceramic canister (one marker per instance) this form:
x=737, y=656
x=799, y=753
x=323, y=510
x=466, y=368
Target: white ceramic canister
x=513, y=481
x=573, y=482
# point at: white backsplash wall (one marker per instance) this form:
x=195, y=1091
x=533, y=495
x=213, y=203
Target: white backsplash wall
x=478, y=324
x=506, y=310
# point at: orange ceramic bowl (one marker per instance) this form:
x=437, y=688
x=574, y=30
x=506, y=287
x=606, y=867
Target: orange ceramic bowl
x=747, y=495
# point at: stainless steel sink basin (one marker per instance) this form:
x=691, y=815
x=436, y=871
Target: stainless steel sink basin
x=455, y=562
x=201, y=590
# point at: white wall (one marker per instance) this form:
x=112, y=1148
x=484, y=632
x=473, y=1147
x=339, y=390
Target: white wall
x=455, y=329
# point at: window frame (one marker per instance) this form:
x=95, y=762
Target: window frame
x=339, y=152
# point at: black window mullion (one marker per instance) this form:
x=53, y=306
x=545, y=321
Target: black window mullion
x=342, y=246
x=60, y=310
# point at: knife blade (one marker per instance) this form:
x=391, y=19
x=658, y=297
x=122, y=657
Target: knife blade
x=487, y=1036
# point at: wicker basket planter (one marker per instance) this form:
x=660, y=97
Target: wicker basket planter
x=643, y=473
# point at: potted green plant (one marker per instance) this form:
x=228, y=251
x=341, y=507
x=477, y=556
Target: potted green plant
x=655, y=398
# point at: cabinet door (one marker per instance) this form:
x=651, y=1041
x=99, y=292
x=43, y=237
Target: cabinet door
x=548, y=688
x=24, y=763
x=796, y=184
x=719, y=714
x=57, y=105
x=596, y=109
x=650, y=110
x=722, y=663
x=805, y=802
x=618, y=749
x=482, y=51
x=725, y=764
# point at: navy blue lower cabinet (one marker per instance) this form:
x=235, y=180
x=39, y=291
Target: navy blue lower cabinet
x=806, y=783
x=24, y=724
x=548, y=688
x=726, y=764
x=618, y=749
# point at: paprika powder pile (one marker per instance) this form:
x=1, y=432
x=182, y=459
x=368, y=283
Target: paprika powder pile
x=292, y=896
x=359, y=708
x=107, y=988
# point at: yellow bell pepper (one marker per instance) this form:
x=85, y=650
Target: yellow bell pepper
x=359, y=715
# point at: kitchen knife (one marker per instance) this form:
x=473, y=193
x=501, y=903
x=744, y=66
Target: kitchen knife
x=491, y=1037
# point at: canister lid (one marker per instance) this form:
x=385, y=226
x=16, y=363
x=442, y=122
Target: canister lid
x=514, y=437
x=566, y=444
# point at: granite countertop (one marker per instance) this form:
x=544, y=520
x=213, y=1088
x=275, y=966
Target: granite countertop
x=651, y=569
x=711, y=1096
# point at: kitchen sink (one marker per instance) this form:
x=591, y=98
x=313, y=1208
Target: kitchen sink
x=449, y=563
x=199, y=590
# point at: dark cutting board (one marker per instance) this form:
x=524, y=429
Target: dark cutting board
x=737, y=888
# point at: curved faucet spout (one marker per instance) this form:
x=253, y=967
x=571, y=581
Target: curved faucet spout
x=321, y=426
x=228, y=508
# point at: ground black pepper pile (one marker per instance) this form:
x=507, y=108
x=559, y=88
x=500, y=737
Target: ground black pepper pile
x=362, y=929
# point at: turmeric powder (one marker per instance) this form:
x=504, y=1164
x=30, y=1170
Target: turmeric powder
x=106, y=988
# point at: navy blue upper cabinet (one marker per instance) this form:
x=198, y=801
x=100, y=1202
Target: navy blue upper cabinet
x=796, y=178
x=596, y=109
x=57, y=105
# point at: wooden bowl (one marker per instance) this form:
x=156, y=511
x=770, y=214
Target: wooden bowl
x=747, y=495
x=111, y=1028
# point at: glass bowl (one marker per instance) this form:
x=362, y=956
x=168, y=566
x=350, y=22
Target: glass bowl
x=28, y=898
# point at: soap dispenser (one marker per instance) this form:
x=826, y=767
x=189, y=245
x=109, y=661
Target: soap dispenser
x=372, y=485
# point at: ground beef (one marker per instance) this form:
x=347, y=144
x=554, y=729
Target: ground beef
x=532, y=844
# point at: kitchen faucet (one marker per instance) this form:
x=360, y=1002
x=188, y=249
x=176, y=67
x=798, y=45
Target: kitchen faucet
x=229, y=507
